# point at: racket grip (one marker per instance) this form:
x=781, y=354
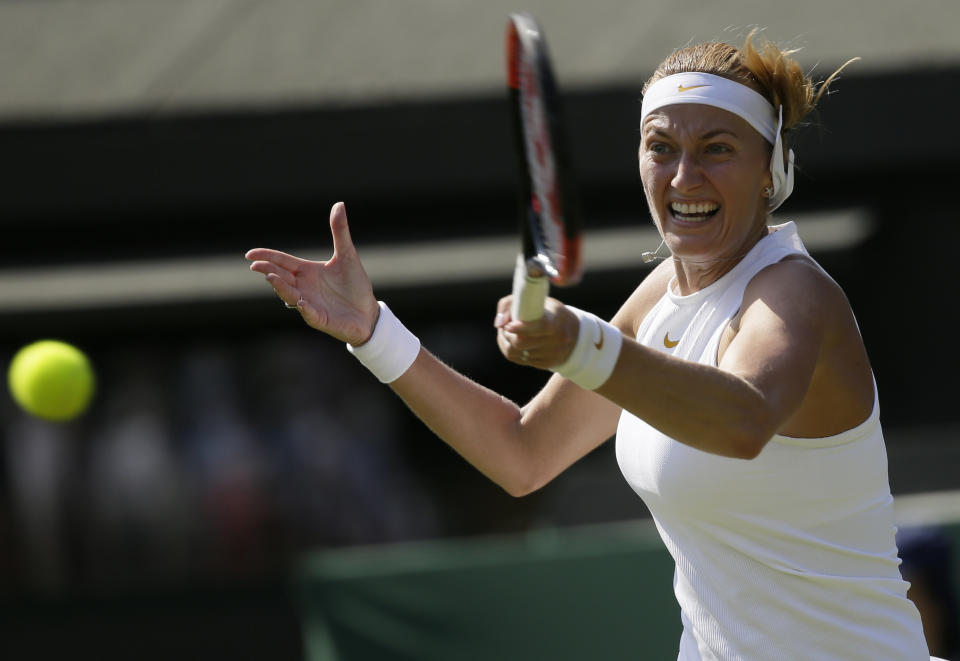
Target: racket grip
x=529, y=292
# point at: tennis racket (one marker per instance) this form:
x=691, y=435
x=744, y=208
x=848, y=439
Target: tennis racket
x=550, y=220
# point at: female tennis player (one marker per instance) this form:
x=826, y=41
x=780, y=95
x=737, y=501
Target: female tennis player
x=734, y=377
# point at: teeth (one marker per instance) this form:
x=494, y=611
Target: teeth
x=695, y=209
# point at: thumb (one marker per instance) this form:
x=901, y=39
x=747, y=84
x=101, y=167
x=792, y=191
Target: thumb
x=340, y=230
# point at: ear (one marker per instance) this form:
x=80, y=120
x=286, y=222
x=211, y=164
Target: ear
x=766, y=182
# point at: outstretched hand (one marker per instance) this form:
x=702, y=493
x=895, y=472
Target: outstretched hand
x=334, y=296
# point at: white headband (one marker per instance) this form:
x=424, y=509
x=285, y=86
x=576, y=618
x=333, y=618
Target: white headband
x=710, y=90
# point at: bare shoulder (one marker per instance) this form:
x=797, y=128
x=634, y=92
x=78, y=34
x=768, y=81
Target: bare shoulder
x=799, y=288
x=796, y=300
x=796, y=316
x=650, y=290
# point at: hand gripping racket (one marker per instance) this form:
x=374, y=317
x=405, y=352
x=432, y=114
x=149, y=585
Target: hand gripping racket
x=549, y=213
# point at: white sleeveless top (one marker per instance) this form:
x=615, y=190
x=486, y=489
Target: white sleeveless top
x=787, y=556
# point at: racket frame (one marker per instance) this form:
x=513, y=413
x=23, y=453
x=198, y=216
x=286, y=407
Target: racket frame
x=549, y=208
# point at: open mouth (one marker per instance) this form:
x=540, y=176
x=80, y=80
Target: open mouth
x=694, y=212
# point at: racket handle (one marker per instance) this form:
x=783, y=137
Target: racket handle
x=529, y=292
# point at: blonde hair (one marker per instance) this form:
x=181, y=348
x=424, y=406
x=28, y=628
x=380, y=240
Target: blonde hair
x=764, y=68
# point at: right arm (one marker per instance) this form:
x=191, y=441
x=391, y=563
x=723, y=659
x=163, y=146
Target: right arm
x=519, y=448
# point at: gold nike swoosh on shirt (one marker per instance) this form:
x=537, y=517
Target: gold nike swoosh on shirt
x=681, y=88
x=668, y=343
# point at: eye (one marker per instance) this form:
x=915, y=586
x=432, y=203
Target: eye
x=718, y=148
x=658, y=148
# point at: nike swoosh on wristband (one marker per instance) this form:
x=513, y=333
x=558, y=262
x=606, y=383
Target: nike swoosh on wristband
x=668, y=343
x=599, y=344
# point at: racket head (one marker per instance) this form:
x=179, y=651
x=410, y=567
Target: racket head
x=550, y=218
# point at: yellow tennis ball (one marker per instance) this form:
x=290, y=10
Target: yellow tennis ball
x=52, y=380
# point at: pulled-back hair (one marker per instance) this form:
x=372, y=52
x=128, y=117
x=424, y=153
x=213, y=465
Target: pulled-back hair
x=764, y=68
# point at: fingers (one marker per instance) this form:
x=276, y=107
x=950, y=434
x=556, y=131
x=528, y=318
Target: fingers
x=525, y=350
x=287, y=292
x=513, y=344
x=285, y=285
x=505, y=320
x=266, y=260
x=543, y=343
x=269, y=268
x=281, y=259
x=520, y=342
x=503, y=312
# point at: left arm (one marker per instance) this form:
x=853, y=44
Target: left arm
x=765, y=375
x=761, y=379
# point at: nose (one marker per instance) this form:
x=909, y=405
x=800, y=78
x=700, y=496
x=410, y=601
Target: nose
x=688, y=175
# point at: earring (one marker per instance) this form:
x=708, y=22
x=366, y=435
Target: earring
x=768, y=191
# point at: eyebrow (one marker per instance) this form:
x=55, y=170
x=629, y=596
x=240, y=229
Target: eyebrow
x=706, y=136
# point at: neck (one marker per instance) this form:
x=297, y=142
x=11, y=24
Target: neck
x=695, y=274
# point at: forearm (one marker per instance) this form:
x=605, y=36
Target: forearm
x=702, y=406
x=481, y=425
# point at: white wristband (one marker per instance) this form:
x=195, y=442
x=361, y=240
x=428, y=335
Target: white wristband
x=595, y=354
x=391, y=349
